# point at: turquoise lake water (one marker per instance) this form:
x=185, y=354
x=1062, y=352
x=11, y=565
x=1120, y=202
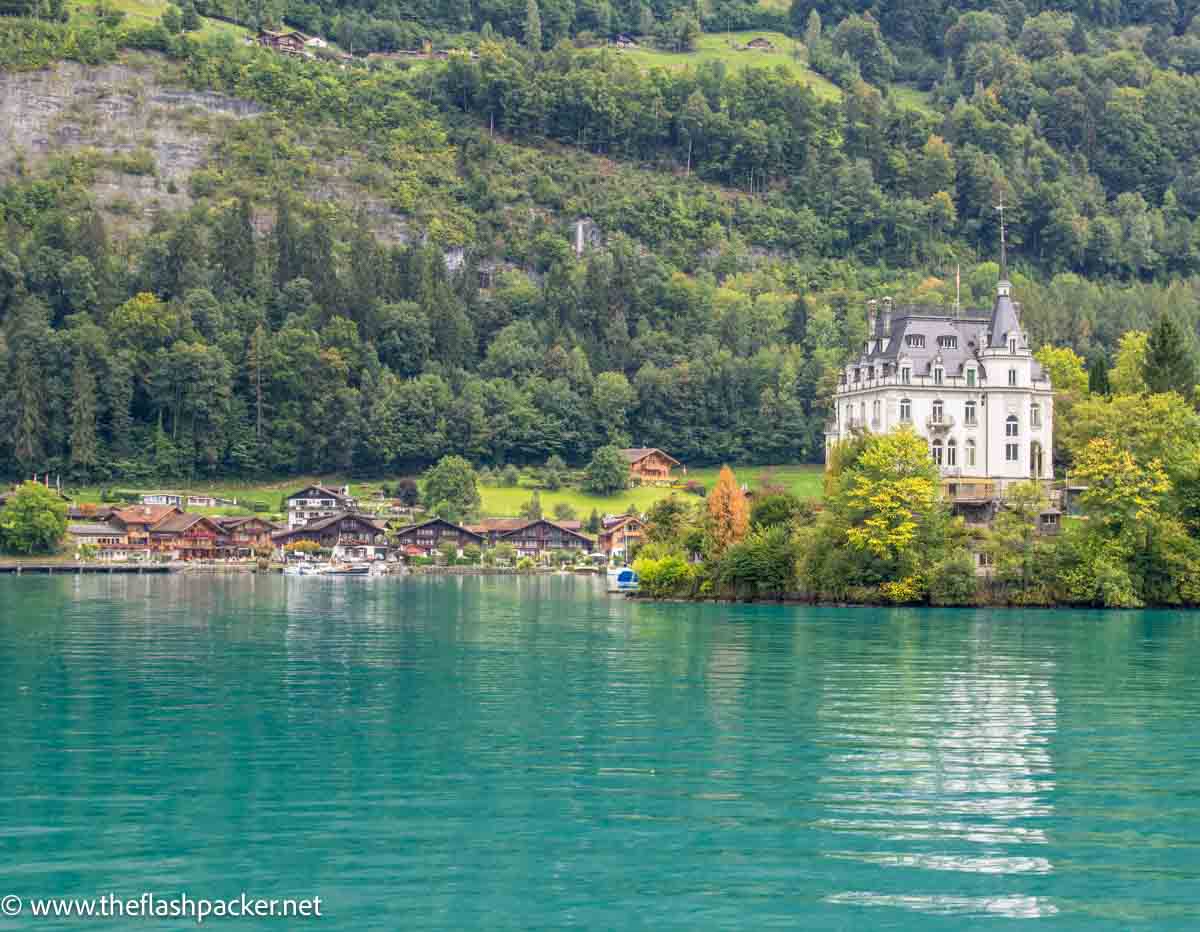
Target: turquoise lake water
x=533, y=754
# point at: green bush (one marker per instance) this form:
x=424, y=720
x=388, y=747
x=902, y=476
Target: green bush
x=952, y=581
x=668, y=576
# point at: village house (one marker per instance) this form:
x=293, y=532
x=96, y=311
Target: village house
x=968, y=384
x=317, y=502
x=649, y=465
x=423, y=539
x=760, y=44
x=108, y=539
x=174, y=499
x=346, y=535
x=533, y=537
x=619, y=534
x=288, y=41
x=201, y=501
x=186, y=536
x=136, y=522
x=245, y=536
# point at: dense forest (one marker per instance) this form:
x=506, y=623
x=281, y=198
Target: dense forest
x=737, y=224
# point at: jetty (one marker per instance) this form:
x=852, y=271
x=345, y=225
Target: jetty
x=49, y=569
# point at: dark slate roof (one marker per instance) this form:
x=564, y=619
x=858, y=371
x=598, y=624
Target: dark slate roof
x=322, y=523
x=91, y=529
x=930, y=324
x=1004, y=319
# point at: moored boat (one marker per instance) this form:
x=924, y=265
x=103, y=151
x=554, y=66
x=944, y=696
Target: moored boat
x=623, y=579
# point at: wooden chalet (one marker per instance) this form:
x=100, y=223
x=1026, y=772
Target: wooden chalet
x=137, y=521
x=288, y=41
x=245, y=536
x=187, y=537
x=761, y=44
x=423, y=539
x=649, y=464
x=620, y=533
x=533, y=538
x=347, y=535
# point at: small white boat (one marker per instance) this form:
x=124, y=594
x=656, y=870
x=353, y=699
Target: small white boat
x=623, y=579
x=306, y=569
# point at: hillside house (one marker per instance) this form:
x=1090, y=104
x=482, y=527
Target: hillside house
x=760, y=44
x=289, y=41
x=423, y=539
x=649, y=465
x=174, y=499
x=316, y=503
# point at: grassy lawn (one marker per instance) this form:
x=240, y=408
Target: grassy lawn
x=498, y=501
x=149, y=11
x=725, y=47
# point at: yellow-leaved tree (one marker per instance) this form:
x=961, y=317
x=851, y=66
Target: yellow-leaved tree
x=728, y=513
x=887, y=492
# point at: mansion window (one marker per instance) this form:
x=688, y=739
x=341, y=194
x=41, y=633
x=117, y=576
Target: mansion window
x=952, y=452
x=937, y=452
x=938, y=374
x=916, y=340
x=1012, y=376
x=970, y=451
x=939, y=411
x=970, y=378
x=948, y=342
x=905, y=375
x=1035, y=416
x=875, y=407
x=906, y=409
x=1011, y=427
x=1012, y=452
x=1012, y=346
x=969, y=414
x=857, y=375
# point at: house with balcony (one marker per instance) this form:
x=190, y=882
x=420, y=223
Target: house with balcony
x=347, y=536
x=316, y=503
x=649, y=465
x=619, y=534
x=424, y=538
x=245, y=536
x=965, y=381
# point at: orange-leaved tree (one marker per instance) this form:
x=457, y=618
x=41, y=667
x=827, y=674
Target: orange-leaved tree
x=728, y=513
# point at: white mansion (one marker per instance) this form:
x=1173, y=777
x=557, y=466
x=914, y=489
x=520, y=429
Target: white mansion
x=966, y=383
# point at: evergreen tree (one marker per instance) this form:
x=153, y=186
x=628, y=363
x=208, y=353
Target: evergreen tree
x=84, y=446
x=533, y=26
x=288, y=249
x=234, y=250
x=1098, y=383
x=191, y=19
x=1169, y=366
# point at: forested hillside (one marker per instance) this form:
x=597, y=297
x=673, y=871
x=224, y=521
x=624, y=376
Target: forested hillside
x=377, y=266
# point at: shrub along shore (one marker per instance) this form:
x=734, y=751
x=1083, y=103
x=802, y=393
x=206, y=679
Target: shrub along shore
x=885, y=535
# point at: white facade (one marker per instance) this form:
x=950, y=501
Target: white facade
x=316, y=503
x=969, y=385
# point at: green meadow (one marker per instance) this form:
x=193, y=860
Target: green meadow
x=498, y=500
x=149, y=11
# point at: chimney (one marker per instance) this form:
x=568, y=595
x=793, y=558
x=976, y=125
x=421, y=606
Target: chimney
x=872, y=311
x=887, y=315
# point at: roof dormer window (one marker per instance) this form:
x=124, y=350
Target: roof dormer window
x=948, y=342
x=1012, y=346
x=915, y=340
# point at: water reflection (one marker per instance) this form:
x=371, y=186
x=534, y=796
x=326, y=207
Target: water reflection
x=938, y=770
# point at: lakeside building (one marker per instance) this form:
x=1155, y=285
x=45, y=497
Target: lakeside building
x=966, y=382
x=348, y=536
x=619, y=534
x=423, y=538
x=533, y=537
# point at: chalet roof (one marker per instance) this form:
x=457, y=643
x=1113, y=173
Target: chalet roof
x=465, y=529
x=144, y=514
x=236, y=521
x=321, y=523
x=637, y=454
x=92, y=529
x=322, y=491
x=561, y=527
x=177, y=524
x=625, y=520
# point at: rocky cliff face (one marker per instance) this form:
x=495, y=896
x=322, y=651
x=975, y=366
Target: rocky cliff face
x=143, y=138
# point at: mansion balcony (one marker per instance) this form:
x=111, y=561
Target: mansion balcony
x=939, y=423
